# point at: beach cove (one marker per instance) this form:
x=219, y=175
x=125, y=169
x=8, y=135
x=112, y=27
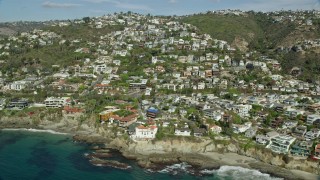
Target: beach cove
x=50, y=155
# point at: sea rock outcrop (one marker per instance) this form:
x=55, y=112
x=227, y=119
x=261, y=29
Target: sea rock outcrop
x=199, y=153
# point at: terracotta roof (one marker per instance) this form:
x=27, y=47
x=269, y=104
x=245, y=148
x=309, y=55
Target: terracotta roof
x=214, y=126
x=148, y=127
x=142, y=127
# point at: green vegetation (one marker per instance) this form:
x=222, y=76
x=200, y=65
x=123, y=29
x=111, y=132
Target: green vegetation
x=274, y=33
x=226, y=27
x=123, y=113
x=264, y=35
x=309, y=64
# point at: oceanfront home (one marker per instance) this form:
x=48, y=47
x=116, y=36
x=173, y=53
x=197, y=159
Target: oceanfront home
x=281, y=143
x=251, y=132
x=182, y=132
x=299, y=131
x=215, y=129
x=198, y=132
x=312, y=134
x=301, y=148
x=18, y=104
x=241, y=128
x=312, y=118
x=145, y=132
x=54, y=102
x=264, y=139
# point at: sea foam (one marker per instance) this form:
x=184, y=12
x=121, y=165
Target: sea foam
x=35, y=130
x=176, y=168
x=237, y=172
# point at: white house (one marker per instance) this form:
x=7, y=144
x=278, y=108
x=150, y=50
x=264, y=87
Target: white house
x=116, y=62
x=276, y=77
x=145, y=133
x=57, y=102
x=182, y=132
x=281, y=144
x=61, y=75
x=154, y=59
x=312, y=134
x=213, y=114
x=241, y=128
x=215, y=129
x=18, y=85
x=312, y=118
x=242, y=109
x=102, y=68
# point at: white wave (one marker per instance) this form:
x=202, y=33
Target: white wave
x=175, y=168
x=164, y=171
x=36, y=130
x=207, y=171
x=239, y=173
x=99, y=165
x=149, y=171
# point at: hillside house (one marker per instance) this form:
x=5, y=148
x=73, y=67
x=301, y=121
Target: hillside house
x=242, y=109
x=18, y=85
x=214, y=114
x=281, y=143
x=107, y=113
x=251, y=132
x=312, y=118
x=299, y=131
x=56, y=102
x=145, y=132
x=18, y=104
x=199, y=132
x=152, y=112
x=182, y=132
x=241, y=128
x=277, y=122
x=215, y=129
x=139, y=86
x=301, y=148
x=312, y=134
x=264, y=139
x=124, y=121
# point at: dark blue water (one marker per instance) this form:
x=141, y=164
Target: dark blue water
x=39, y=155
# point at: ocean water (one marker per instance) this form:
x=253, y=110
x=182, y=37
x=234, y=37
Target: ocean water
x=49, y=155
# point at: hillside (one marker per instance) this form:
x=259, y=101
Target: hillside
x=258, y=29
x=226, y=27
x=8, y=29
x=250, y=31
x=267, y=33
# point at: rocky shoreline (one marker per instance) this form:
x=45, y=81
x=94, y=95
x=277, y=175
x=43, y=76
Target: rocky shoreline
x=201, y=155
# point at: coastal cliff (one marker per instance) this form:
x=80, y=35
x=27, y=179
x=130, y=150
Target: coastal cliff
x=204, y=153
